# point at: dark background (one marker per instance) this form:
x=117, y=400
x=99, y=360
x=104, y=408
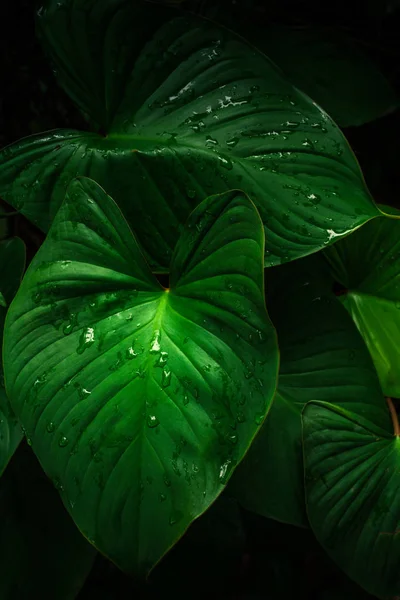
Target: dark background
x=228, y=553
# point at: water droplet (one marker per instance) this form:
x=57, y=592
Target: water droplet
x=185, y=400
x=63, y=441
x=130, y=353
x=241, y=418
x=210, y=141
x=166, y=378
x=155, y=342
x=232, y=142
x=152, y=421
x=259, y=418
x=163, y=497
x=225, y=470
x=86, y=340
x=163, y=359
x=50, y=427
x=226, y=163
x=191, y=193
x=82, y=392
x=73, y=322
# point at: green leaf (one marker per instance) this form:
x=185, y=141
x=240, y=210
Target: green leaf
x=42, y=553
x=332, y=69
x=367, y=264
x=139, y=400
x=183, y=109
x=352, y=482
x=12, y=264
x=322, y=356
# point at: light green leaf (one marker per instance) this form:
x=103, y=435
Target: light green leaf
x=183, y=109
x=352, y=482
x=322, y=356
x=367, y=264
x=42, y=553
x=138, y=400
x=12, y=264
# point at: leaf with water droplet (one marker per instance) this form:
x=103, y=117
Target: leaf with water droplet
x=216, y=132
x=143, y=401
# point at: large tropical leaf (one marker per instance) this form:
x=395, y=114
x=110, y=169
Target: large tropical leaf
x=352, y=482
x=139, y=400
x=367, y=264
x=322, y=357
x=42, y=553
x=183, y=109
x=12, y=264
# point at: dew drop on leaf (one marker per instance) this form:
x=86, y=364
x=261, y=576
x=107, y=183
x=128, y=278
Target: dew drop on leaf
x=152, y=421
x=225, y=470
x=258, y=419
x=166, y=378
x=155, y=342
x=63, y=441
x=86, y=340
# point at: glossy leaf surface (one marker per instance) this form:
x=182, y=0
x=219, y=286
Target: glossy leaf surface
x=12, y=264
x=139, y=401
x=367, y=264
x=322, y=356
x=183, y=109
x=352, y=481
x=42, y=553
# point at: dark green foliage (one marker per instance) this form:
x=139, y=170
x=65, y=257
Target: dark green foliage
x=199, y=300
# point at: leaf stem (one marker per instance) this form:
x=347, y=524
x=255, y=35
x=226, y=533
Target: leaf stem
x=395, y=419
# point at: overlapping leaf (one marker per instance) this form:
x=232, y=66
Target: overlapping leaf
x=12, y=264
x=183, y=109
x=139, y=401
x=352, y=482
x=332, y=69
x=322, y=356
x=367, y=264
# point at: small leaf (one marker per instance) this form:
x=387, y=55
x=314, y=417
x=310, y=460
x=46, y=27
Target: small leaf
x=42, y=554
x=367, y=264
x=129, y=391
x=12, y=264
x=322, y=356
x=183, y=109
x=352, y=481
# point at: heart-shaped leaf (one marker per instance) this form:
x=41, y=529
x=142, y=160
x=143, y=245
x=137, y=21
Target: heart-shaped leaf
x=352, y=481
x=138, y=400
x=42, y=553
x=367, y=264
x=183, y=109
x=12, y=264
x=322, y=356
